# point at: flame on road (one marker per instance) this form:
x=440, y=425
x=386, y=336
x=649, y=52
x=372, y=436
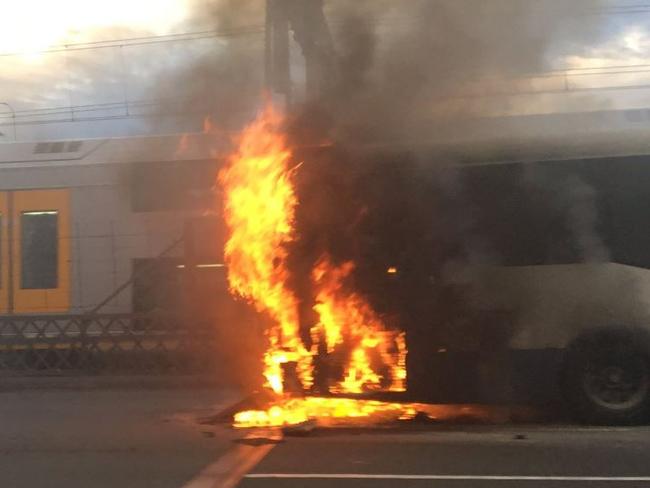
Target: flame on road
x=328, y=411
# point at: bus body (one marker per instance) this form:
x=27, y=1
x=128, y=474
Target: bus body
x=553, y=277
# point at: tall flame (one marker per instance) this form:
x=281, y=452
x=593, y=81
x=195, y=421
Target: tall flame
x=260, y=205
x=259, y=210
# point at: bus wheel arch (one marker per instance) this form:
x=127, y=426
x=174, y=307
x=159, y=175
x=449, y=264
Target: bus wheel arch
x=606, y=376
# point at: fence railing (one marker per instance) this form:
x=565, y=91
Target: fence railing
x=106, y=343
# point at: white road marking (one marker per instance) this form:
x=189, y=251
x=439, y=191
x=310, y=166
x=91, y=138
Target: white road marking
x=228, y=470
x=439, y=477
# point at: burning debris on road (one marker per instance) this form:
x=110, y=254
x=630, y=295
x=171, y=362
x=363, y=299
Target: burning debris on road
x=326, y=411
x=320, y=412
x=347, y=349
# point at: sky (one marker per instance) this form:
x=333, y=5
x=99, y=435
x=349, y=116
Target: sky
x=41, y=76
x=110, y=87
x=32, y=25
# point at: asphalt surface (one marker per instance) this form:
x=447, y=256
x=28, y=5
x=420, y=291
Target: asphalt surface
x=108, y=438
x=135, y=437
x=538, y=456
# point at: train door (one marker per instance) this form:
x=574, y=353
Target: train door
x=35, y=251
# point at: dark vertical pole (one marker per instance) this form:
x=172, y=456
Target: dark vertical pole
x=312, y=59
x=281, y=69
x=268, y=47
x=276, y=51
x=313, y=35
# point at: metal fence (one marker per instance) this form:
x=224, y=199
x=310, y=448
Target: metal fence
x=144, y=343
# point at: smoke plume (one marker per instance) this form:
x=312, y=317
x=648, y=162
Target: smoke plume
x=404, y=66
x=401, y=69
x=220, y=77
x=413, y=70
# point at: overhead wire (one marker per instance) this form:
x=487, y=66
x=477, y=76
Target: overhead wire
x=457, y=96
x=239, y=31
x=70, y=113
x=71, y=110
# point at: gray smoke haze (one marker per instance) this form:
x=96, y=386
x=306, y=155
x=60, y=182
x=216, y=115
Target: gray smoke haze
x=224, y=79
x=576, y=199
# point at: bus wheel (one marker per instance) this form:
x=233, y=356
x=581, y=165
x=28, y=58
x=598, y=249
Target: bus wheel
x=608, y=382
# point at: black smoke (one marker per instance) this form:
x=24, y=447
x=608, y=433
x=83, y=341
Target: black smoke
x=405, y=69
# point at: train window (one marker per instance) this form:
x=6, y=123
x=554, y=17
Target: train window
x=39, y=251
x=176, y=185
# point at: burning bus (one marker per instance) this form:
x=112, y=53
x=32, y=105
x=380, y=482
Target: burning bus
x=519, y=278
x=505, y=276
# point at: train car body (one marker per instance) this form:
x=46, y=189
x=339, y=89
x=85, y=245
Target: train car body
x=78, y=218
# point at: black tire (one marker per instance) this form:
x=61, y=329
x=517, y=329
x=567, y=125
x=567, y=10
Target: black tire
x=607, y=382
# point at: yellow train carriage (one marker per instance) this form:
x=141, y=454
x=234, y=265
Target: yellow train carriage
x=79, y=223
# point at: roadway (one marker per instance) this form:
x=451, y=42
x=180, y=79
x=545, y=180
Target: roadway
x=473, y=457
x=70, y=433
x=77, y=436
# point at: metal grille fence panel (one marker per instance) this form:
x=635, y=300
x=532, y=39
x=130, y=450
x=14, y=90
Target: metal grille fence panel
x=105, y=343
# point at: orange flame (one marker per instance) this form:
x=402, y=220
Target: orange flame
x=259, y=211
x=329, y=411
x=348, y=315
x=260, y=204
